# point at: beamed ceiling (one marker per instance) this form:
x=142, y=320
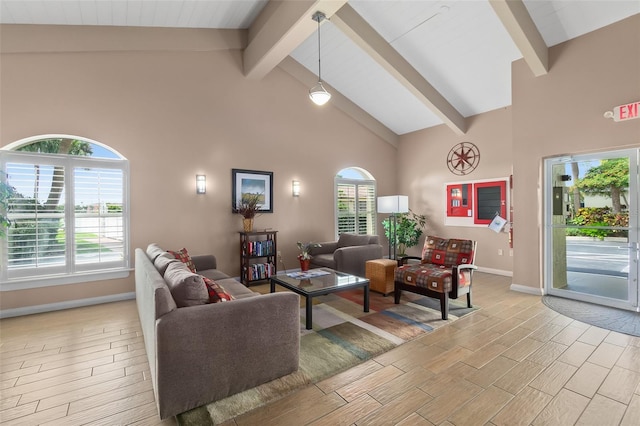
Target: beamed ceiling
x=396, y=66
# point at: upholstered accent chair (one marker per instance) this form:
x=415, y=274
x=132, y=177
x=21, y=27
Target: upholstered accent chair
x=349, y=254
x=445, y=271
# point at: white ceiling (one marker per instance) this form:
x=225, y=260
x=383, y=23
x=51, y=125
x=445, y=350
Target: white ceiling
x=461, y=48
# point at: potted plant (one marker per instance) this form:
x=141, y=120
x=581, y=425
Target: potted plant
x=409, y=228
x=305, y=256
x=248, y=207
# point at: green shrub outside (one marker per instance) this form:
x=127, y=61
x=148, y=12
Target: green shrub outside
x=595, y=220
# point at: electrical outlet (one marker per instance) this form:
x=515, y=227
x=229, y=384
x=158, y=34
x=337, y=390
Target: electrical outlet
x=510, y=252
x=499, y=252
x=279, y=254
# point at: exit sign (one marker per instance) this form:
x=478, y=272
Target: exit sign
x=626, y=112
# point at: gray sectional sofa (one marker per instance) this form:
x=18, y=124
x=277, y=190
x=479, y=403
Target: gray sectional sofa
x=206, y=352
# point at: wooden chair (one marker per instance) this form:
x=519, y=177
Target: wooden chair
x=445, y=271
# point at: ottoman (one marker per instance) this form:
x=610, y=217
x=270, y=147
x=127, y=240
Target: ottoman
x=380, y=273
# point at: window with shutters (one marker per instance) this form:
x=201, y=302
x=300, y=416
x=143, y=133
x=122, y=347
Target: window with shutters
x=67, y=212
x=355, y=202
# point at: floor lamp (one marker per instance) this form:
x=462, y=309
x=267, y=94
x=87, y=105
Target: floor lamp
x=393, y=204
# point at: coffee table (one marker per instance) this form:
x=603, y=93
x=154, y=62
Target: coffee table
x=331, y=282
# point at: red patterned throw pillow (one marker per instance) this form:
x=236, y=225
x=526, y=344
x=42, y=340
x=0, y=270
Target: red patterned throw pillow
x=216, y=292
x=183, y=256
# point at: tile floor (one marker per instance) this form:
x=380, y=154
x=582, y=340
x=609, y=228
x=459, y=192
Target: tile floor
x=513, y=362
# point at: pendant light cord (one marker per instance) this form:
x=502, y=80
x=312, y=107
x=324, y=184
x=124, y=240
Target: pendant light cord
x=319, y=18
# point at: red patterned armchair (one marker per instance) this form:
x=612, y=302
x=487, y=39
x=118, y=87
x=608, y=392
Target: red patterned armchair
x=445, y=271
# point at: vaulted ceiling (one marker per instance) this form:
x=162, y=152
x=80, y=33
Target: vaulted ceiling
x=404, y=65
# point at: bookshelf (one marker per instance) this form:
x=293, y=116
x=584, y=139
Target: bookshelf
x=257, y=256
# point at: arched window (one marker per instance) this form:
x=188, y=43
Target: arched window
x=68, y=212
x=355, y=201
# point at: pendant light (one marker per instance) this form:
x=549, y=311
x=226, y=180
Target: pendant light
x=318, y=93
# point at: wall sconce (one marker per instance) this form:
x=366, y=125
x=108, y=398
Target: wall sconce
x=295, y=188
x=201, y=184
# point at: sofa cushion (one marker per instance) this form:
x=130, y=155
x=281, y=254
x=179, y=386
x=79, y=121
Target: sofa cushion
x=348, y=240
x=154, y=250
x=216, y=292
x=183, y=256
x=187, y=288
x=213, y=274
x=162, y=262
x=236, y=289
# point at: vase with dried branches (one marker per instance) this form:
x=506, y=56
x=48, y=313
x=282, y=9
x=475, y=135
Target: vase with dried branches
x=248, y=207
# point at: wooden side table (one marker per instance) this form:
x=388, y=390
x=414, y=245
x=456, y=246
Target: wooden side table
x=380, y=272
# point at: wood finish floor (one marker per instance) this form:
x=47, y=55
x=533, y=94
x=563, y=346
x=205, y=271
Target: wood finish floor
x=513, y=362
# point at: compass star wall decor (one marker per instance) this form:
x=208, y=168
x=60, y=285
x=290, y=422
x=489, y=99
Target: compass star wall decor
x=463, y=158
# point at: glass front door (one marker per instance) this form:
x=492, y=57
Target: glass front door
x=591, y=228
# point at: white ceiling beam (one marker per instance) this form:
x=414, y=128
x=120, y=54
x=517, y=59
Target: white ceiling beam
x=279, y=29
x=361, y=33
x=308, y=79
x=518, y=23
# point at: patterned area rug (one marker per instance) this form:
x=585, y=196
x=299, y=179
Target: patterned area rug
x=342, y=337
x=620, y=320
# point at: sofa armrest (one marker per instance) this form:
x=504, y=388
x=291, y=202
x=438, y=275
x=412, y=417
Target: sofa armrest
x=352, y=259
x=204, y=262
x=325, y=248
x=208, y=352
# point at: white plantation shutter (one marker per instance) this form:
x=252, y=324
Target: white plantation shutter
x=37, y=238
x=98, y=220
x=68, y=216
x=346, y=201
x=366, y=208
x=355, y=206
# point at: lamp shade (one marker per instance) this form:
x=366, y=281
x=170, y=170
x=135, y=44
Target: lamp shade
x=201, y=184
x=319, y=94
x=393, y=204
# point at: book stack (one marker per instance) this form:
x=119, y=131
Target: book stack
x=260, y=248
x=260, y=271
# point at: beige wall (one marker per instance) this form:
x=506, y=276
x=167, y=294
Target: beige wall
x=177, y=112
x=562, y=113
x=423, y=173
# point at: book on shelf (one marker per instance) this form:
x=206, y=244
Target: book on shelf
x=260, y=248
x=260, y=271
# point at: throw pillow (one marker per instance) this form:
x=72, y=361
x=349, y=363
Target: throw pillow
x=216, y=292
x=153, y=251
x=162, y=262
x=187, y=288
x=183, y=256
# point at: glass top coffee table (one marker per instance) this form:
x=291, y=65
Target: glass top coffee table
x=318, y=282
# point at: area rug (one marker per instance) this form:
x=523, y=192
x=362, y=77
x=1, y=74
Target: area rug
x=343, y=336
x=619, y=320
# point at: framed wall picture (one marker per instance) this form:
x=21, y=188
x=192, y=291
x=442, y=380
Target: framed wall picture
x=248, y=182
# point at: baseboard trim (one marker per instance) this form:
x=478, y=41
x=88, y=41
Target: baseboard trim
x=495, y=271
x=49, y=307
x=527, y=289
